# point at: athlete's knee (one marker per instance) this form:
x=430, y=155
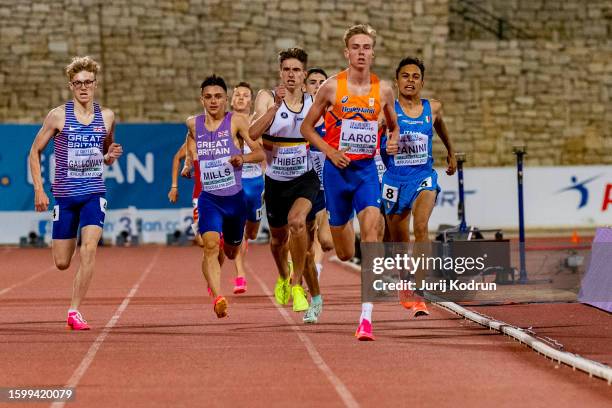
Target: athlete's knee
x=62, y=264
x=251, y=230
x=297, y=224
x=278, y=240
x=327, y=244
x=88, y=250
x=211, y=246
x=345, y=255
x=231, y=251
x=421, y=232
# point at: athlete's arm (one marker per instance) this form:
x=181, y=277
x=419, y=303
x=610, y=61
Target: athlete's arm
x=112, y=151
x=176, y=162
x=190, y=149
x=266, y=107
x=324, y=98
x=442, y=131
x=51, y=126
x=387, y=98
x=241, y=126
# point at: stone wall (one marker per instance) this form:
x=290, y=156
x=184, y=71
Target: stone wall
x=553, y=94
x=542, y=19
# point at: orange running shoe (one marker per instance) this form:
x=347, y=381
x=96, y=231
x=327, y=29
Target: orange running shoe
x=419, y=309
x=220, y=306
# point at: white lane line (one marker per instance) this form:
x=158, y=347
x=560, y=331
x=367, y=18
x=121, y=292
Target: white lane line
x=91, y=353
x=23, y=282
x=341, y=389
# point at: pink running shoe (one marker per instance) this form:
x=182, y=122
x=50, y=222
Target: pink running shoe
x=364, y=331
x=76, y=322
x=240, y=285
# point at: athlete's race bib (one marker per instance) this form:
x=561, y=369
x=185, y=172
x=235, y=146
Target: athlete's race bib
x=85, y=162
x=289, y=161
x=359, y=136
x=318, y=160
x=413, y=149
x=251, y=170
x=216, y=174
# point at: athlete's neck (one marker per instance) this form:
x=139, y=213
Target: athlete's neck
x=294, y=97
x=83, y=109
x=358, y=76
x=214, y=120
x=410, y=102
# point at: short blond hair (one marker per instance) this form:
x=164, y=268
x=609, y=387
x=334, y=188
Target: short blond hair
x=360, y=29
x=79, y=64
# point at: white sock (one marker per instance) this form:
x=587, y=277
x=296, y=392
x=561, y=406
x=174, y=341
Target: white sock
x=366, y=312
x=319, y=270
x=72, y=311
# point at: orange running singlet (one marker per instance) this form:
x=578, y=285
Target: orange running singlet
x=353, y=120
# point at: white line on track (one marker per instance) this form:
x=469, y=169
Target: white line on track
x=23, y=282
x=341, y=389
x=91, y=353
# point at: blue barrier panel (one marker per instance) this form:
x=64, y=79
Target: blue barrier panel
x=140, y=178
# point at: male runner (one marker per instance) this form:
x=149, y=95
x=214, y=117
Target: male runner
x=410, y=184
x=291, y=184
x=252, y=184
x=217, y=138
x=352, y=101
x=322, y=239
x=83, y=142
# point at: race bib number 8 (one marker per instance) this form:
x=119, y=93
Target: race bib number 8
x=390, y=193
x=358, y=136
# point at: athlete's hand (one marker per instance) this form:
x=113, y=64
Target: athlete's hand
x=392, y=146
x=41, y=201
x=279, y=94
x=186, y=172
x=339, y=158
x=173, y=194
x=452, y=164
x=114, y=152
x=237, y=160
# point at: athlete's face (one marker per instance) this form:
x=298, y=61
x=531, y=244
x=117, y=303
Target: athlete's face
x=313, y=82
x=409, y=81
x=214, y=99
x=241, y=100
x=292, y=73
x=83, y=85
x=360, y=51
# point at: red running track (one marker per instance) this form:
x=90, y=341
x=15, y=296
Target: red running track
x=165, y=347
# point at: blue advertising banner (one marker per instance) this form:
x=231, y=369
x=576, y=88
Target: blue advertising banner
x=140, y=178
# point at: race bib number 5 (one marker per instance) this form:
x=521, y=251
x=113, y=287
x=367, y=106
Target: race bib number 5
x=358, y=136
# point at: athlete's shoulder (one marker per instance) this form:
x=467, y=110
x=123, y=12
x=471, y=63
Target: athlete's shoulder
x=190, y=122
x=436, y=105
x=56, y=116
x=107, y=114
x=328, y=89
x=264, y=94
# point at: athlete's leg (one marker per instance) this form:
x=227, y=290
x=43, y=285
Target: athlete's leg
x=421, y=209
x=210, y=261
x=90, y=236
x=310, y=270
x=344, y=240
x=63, y=251
x=323, y=233
x=279, y=245
x=300, y=236
x=399, y=226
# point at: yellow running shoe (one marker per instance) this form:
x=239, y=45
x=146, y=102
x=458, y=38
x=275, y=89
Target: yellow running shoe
x=282, y=291
x=300, y=303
